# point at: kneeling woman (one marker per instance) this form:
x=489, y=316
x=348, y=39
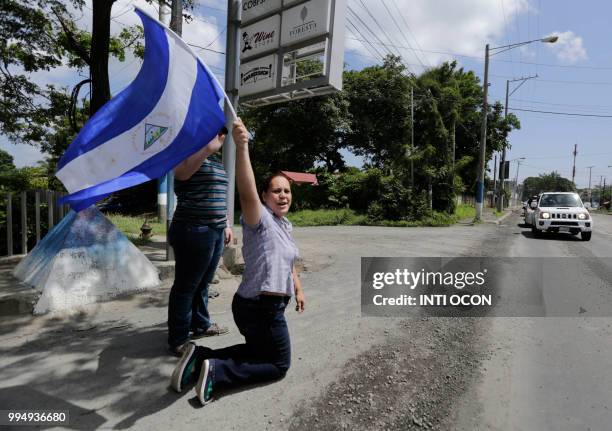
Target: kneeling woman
x=268, y=282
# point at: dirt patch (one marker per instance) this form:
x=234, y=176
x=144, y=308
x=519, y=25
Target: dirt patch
x=411, y=381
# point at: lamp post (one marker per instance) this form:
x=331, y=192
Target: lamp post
x=485, y=108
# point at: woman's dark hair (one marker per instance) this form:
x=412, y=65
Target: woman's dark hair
x=265, y=186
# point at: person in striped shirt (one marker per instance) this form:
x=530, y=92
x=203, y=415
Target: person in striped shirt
x=198, y=233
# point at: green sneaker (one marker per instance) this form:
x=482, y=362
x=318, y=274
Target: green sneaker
x=184, y=371
x=204, y=387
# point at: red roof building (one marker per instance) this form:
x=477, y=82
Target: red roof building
x=301, y=177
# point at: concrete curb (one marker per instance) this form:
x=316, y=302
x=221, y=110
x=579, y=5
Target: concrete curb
x=500, y=219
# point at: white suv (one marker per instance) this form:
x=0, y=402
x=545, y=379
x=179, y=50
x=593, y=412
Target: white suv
x=560, y=212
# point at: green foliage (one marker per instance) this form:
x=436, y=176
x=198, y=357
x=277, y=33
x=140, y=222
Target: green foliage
x=132, y=224
x=20, y=179
x=464, y=211
x=297, y=135
x=39, y=36
x=379, y=98
x=552, y=182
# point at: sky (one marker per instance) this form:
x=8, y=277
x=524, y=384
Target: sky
x=573, y=74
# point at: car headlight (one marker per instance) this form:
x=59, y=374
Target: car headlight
x=583, y=216
x=544, y=215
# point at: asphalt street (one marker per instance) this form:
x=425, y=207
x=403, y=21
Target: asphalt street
x=108, y=366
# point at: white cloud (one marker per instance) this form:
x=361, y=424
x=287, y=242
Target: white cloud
x=568, y=48
x=458, y=26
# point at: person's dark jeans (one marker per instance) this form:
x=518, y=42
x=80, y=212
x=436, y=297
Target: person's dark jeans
x=266, y=353
x=197, y=250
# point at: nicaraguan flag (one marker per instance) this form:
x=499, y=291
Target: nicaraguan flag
x=170, y=111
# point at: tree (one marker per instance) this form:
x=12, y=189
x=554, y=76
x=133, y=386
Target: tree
x=299, y=135
x=39, y=36
x=6, y=162
x=552, y=182
x=379, y=99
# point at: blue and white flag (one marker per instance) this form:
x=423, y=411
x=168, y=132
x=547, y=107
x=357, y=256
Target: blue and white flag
x=170, y=111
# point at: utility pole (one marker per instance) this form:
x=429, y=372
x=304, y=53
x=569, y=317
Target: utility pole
x=176, y=24
x=453, y=166
x=574, y=167
x=494, y=180
x=516, y=187
x=502, y=170
x=412, y=137
x=162, y=183
x=483, y=139
x=231, y=89
x=590, y=196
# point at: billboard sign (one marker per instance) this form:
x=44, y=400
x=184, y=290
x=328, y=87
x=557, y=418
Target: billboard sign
x=260, y=37
x=253, y=9
x=306, y=21
x=290, y=49
x=258, y=75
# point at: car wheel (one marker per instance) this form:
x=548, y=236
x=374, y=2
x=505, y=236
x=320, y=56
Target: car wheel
x=535, y=232
x=586, y=236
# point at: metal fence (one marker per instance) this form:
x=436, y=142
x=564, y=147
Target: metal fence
x=464, y=198
x=26, y=217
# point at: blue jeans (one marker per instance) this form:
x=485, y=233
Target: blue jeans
x=197, y=250
x=266, y=353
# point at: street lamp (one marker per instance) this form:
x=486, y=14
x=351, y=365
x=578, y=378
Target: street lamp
x=485, y=108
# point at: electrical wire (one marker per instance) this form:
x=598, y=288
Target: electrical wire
x=573, y=114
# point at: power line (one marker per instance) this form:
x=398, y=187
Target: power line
x=507, y=35
x=573, y=114
x=402, y=33
x=370, y=47
x=370, y=30
x=205, y=49
x=561, y=82
x=474, y=57
x=416, y=41
x=541, y=102
x=378, y=24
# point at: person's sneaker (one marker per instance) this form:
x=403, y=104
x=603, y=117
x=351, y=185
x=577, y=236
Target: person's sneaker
x=204, y=387
x=212, y=331
x=184, y=372
x=178, y=350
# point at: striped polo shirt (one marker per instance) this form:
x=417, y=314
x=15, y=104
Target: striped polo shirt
x=269, y=253
x=201, y=199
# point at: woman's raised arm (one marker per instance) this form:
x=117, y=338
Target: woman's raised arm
x=245, y=179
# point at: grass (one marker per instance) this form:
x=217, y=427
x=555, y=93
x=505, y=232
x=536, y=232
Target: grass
x=348, y=217
x=326, y=218
x=131, y=225
x=464, y=211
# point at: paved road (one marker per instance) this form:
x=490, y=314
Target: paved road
x=109, y=369
x=550, y=373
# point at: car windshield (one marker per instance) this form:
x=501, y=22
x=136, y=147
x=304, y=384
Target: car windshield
x=554, y=200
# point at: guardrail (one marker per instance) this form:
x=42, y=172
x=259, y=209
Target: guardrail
x=25, y=217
